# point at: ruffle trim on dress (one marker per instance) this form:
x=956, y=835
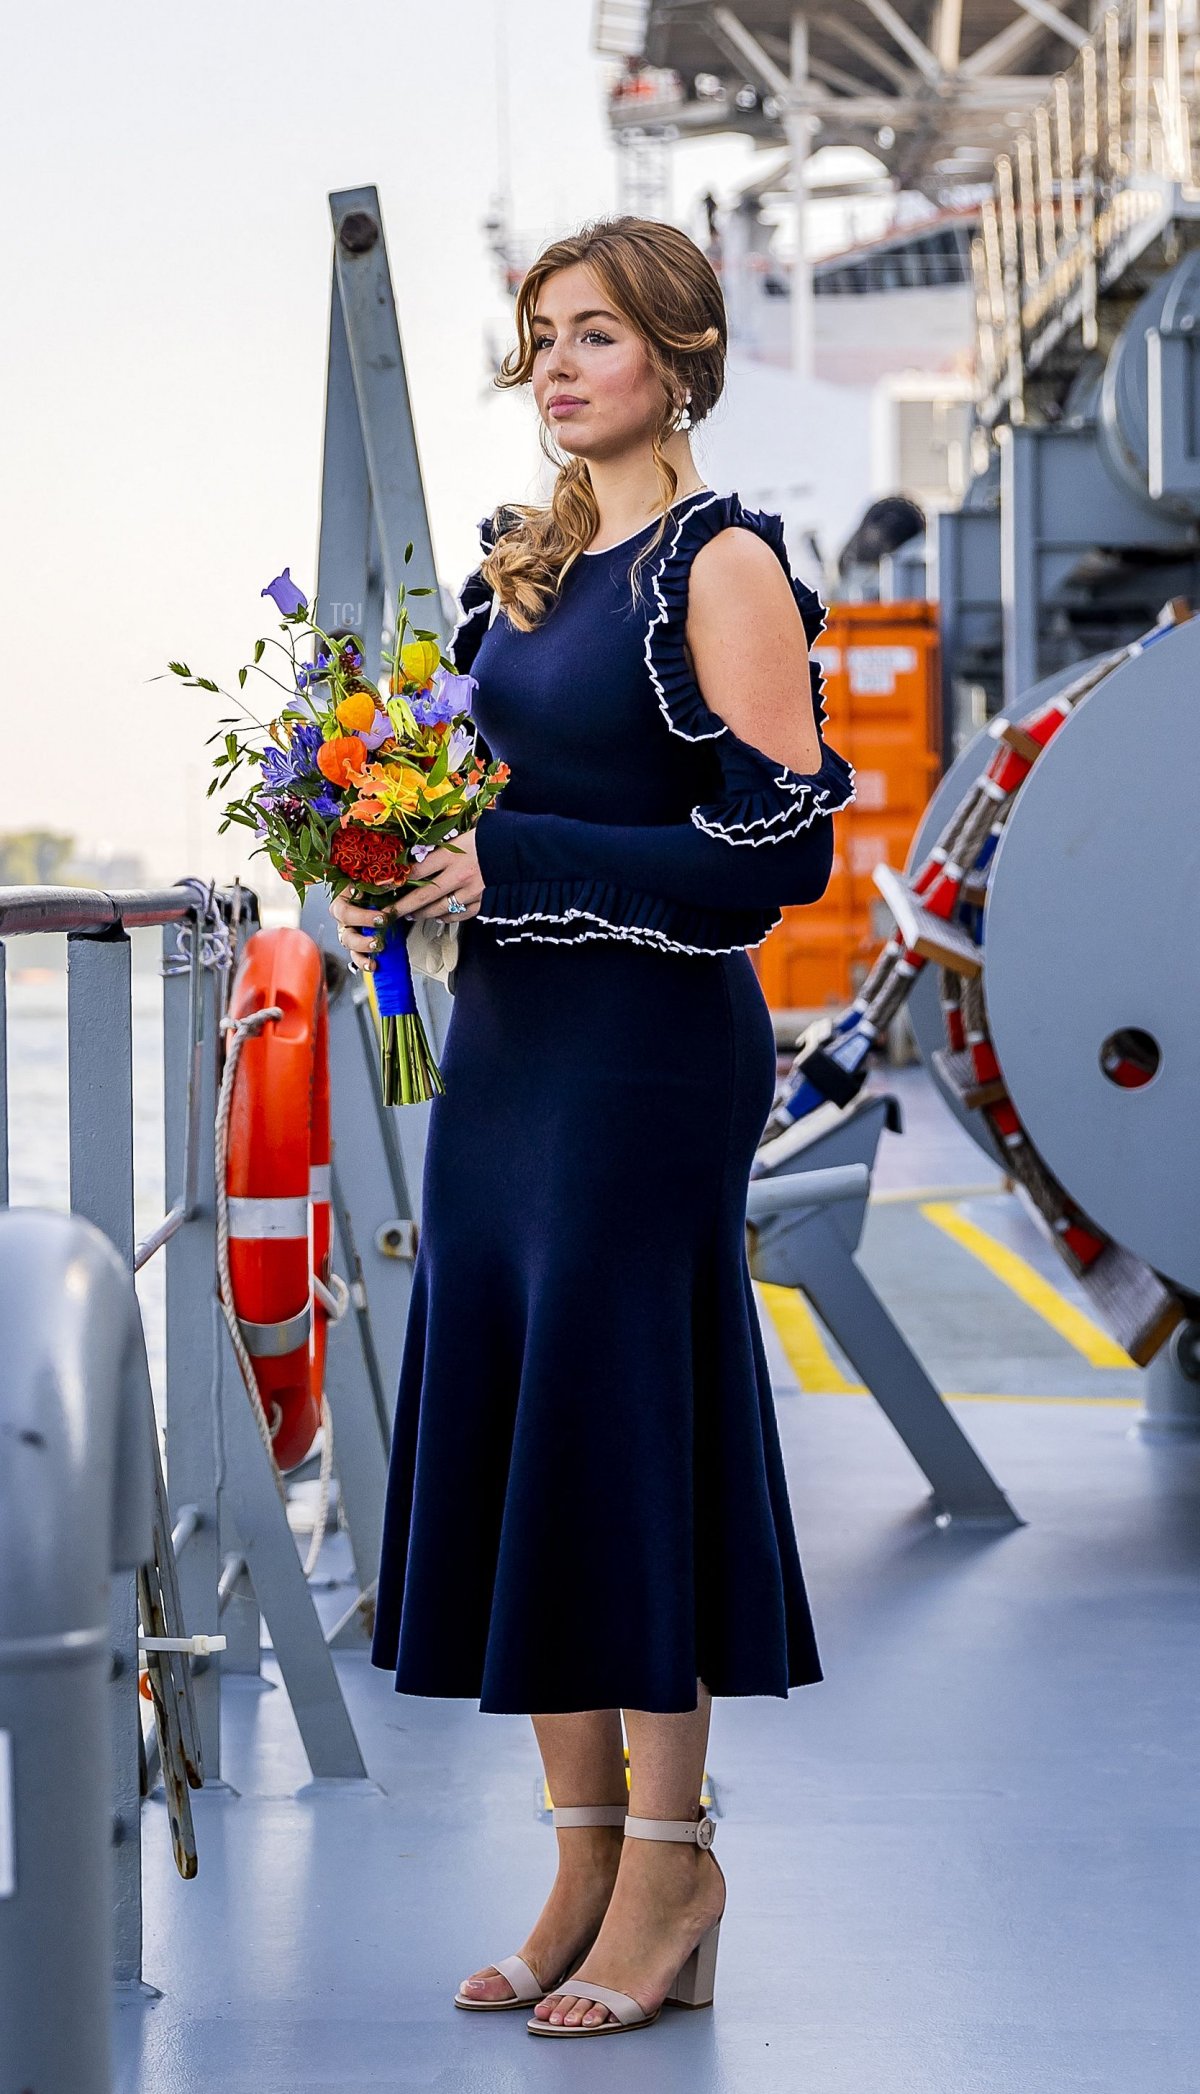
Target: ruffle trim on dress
x=475, y=598
x=563, y=912
x=758, y=793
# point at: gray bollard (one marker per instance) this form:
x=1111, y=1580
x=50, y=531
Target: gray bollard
x=1171, y=1385
x=76, y=1503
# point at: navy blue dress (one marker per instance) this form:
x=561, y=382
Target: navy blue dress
x=586, y=1502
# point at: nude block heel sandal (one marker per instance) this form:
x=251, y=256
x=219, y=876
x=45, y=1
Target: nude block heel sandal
x=526, y=1985
x=695, y=1980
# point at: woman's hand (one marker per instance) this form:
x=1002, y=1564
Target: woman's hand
x=357, y=928
x=450, y=869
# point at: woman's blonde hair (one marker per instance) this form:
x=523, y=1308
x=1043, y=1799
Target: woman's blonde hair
x=666, y=288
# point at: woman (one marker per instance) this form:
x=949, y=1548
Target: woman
x=587, y=1512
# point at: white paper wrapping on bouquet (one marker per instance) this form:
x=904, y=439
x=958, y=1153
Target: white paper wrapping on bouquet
x=433, y=949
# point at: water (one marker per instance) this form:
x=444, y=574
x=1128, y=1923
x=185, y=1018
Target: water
x=37, y=1099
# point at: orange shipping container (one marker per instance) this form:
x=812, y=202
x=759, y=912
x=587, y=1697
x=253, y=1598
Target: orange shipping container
x=883, y=700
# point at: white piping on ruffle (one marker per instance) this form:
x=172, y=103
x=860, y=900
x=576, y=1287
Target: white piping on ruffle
x=465, y=618
x=722, y=726
x=764, y=821
x=638, y=934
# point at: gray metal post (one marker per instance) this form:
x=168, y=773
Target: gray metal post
x=191, y=1045
x=3, y=1076
x=75, y=1508
x=100, y=1112
x=1020, y=567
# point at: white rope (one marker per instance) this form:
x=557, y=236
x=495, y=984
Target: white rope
x=243, y=1029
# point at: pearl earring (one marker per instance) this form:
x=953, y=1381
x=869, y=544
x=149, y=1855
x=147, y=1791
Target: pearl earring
x=684, y=420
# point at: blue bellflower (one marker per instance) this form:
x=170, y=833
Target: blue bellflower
x=284, y=594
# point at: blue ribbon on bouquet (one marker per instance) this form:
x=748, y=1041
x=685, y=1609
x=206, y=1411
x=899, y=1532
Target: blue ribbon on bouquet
x=394, y=991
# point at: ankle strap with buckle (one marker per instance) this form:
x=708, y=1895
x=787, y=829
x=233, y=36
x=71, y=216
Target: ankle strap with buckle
x=702, y=1830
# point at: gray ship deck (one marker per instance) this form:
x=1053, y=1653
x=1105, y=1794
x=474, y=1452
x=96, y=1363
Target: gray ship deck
x=965, y=1863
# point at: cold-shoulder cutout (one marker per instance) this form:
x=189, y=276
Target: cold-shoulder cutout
x=761, y=799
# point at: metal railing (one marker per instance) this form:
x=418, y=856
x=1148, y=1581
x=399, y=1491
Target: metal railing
x=201, y=929
x=224, y=1486
x=1110, y=158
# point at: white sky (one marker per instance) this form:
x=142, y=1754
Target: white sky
x=162, y=368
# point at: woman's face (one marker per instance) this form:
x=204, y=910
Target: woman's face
x=595, y=387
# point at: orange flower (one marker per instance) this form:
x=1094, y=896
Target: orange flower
x=387, y=792
x=340, y=759
x=357, y=713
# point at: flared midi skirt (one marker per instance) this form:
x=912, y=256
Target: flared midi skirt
x=586, y=1503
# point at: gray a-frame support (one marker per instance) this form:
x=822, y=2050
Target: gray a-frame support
x=217, y=1465
x=372, y=496
x=804, y=1225
x=372, y=505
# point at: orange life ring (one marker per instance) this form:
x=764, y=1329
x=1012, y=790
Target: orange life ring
x=277, y=1182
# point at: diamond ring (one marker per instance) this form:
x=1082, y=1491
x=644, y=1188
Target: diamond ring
x=456, y=908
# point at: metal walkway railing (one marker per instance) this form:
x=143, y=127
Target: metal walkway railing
x=224, y=1554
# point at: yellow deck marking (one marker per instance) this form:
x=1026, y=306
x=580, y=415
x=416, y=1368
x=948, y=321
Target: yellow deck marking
x=1133, y=1403
x=804, y=1347
x=898, y=1195
x=802, y=1342
x=1037, y=1294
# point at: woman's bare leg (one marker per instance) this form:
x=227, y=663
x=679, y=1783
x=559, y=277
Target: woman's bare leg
x=667, y=1892
x=583, y=1755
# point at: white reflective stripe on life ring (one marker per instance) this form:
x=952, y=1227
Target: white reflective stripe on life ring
x=250, y=1220
x=318, y=1181
x=272, y=1341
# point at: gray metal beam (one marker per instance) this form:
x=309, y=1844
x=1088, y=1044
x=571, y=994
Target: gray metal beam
x=259, y=1516
x=1053, y=18
x=191, y=1057
x=898, y=29
x=3, y=1075
x=804, y=1221
x=363, y=284
x=100, y=1116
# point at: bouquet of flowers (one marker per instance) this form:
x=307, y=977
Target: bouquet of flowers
x=355, y=784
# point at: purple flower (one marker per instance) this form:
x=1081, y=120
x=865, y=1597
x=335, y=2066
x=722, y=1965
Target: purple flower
x=285, y=595
x=461, y=743
x=326, y=803
x=379, y=730
x=286, y=767
x=449, y=695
